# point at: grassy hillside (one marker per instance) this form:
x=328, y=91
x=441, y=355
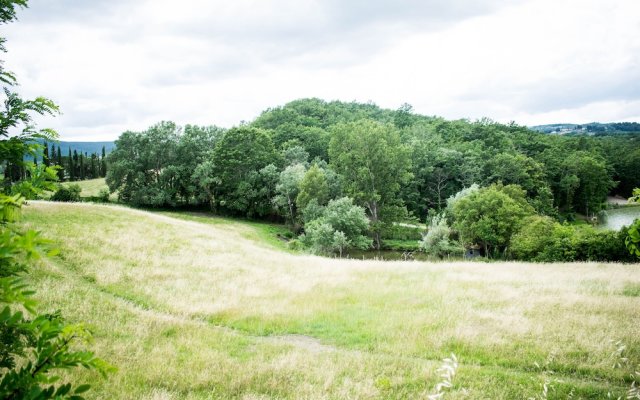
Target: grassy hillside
x=90, y=187
x=195, y=310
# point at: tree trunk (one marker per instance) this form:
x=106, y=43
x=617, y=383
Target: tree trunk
x=373, y=209
x=291, y=213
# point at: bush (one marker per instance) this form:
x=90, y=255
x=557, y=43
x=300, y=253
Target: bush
x=67, y=193
x=567, y=243
x=437, y=242
x=632, y=240
x=103, y=196
x=402, y=232
x=339, y=226
x=401, y=245
x=532, y=238
x=312, y=211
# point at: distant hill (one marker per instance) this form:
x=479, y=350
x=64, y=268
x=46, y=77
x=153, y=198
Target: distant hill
x=80, y=147
x=85, y=147
x=591, y=129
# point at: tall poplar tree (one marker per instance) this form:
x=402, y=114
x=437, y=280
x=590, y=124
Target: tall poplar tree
x=71, y=166
x=61, y=170
x=82, y=174
x=103, y=163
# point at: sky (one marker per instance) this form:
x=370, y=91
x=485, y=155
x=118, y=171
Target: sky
x=117, y=65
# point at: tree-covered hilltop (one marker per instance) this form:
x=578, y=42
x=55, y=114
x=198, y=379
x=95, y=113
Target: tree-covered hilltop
x=392, y=165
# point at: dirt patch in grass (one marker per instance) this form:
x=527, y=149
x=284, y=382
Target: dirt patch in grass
x=303, y=342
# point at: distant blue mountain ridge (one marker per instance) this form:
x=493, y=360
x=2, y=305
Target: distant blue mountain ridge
x=83, y=147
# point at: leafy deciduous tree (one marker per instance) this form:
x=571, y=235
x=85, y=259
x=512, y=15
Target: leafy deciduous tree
x=489, y=217
x=374, y=164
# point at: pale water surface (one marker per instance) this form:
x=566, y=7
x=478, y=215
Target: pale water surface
x=618, y=217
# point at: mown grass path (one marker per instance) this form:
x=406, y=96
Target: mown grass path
x=195, y=310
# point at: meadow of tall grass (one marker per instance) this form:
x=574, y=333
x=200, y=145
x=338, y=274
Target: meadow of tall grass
x=194, y=308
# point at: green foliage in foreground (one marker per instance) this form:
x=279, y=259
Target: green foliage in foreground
x=632, y=241
x=35, y=346
x=39, y=178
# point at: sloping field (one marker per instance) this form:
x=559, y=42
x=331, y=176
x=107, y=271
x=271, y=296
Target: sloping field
x=195, y=310
x=90, y=187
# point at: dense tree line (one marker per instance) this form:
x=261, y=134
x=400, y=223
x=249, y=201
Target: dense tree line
x=75, y=166
x=292, y=161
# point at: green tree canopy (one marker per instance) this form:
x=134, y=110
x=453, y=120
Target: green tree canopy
x=313, y=186
x=594, y=179
x=238, y=156
x=338, y=226
x=287, y=191
x=374, y=164
x=489, y=216
x=142, y=167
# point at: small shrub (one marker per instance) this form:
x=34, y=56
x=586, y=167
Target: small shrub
x=67, y=193
x=339, y=226
x=532, y=238
x=437, y=242
x=103, y=195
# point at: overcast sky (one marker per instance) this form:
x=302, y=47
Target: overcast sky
x=116, y=65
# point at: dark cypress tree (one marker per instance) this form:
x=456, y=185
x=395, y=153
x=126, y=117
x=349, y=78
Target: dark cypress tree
x=93, y=170
x=60, y=165
x=103, y=164
x=71, y=167
x=81, y=167
x=45, y=154
x=76, y=162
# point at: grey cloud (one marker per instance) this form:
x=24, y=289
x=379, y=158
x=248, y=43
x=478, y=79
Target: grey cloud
x=53, y=11
x=340, y=34
x=357, y=13
x=362, y=28
x=569, y=92
x=574, y=94
x=108, y=113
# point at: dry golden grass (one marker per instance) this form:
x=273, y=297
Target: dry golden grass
x=193, y=310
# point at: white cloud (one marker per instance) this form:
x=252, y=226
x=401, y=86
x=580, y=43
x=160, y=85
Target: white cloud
x=116, y=65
